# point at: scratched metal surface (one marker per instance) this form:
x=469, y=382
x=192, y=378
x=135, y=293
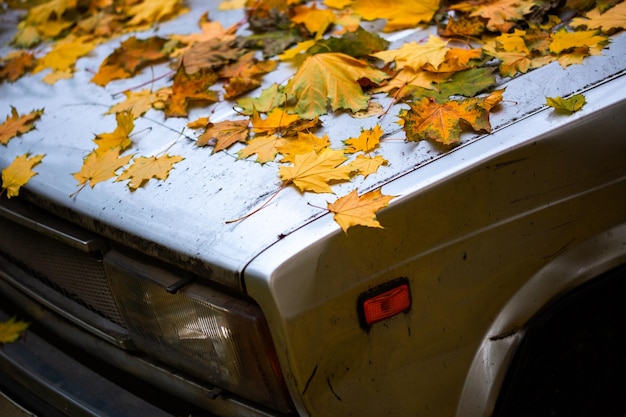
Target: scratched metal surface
x=188, y=213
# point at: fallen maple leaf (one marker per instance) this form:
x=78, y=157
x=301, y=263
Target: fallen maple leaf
x=62, y=58
x=441, y=122
x=331, y=79
x=567, y=105
x=265, y=148
x=18, y=173
x=402, y=14
x=313, y=171
x=354, y=210
x=304, y=143
x=136, y=102
x=153, y=11
x=145, y=168
x=366, y=165
x=131, y=56
x=98, y=167
x=367, y=141
x=118, y=139
x=223, y=134
x=416, y=55
x=11, y=330
x=16, y=125
x=608, y=21
x=188, y=89
x=16, y=64
x=501, y=15
x=315, y=20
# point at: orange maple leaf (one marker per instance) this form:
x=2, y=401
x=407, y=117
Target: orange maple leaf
x=16, y=64
x=501, y=15
x=18, y=173
x=145, y=168
x=98, y=167
x=223, y=134
x=441, y=122
x=304, y=143
x=16, y=125
x=188, y=89
x=131, y=56
x=331, y=79
x=313, y=171
x=354, y=210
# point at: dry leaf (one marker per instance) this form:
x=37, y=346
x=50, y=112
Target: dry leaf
x=331, y=79
x=98, y=167
x=367, y=141
x=567, y=105
x=16, y=125
x=118, y=139
x=354, y=210
x=11, y=330
x=18, y=173
x=313, y=171
x=145, y=168
x=223, y=134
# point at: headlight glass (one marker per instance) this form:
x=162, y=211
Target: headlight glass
x=207, y=334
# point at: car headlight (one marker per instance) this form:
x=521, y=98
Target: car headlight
x=207, y=334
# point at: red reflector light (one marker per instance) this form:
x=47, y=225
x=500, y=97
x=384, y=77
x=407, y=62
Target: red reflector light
x=384, y=302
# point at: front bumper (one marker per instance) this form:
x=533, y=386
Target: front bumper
x=49, y=382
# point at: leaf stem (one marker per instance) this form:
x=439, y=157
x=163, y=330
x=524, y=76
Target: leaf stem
x=262, y=206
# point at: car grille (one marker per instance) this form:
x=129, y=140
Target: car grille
x=46, y=264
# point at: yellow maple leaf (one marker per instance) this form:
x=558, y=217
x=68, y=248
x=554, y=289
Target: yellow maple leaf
x=62, y=58
x=153, y=11
x=564, y=40
x=265, y=148
x=275, y=122
x=416, y=55
x=313, y=171
x=98, y=167
x=118, y=139
x=408, y=77
x=136, y=102
x=16, y=124
x=315, y=20
x=367, y=141
x=402, y=14
x=304, y=143
x=11, y=330
x=366, y=165
x=145, y=168
x=331, y=79
x=610, y=20
x=18, y=173
x=354, y=210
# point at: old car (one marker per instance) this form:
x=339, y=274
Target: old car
x=487, y=280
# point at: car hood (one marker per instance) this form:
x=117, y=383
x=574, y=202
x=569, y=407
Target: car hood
x=191, y=212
